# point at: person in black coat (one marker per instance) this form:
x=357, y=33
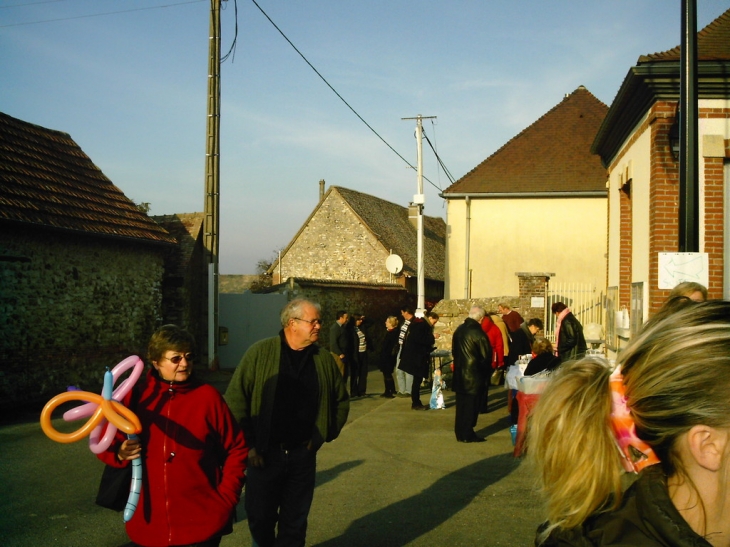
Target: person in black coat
x=415, y=357
x=472, y=368
x=340, y=342
x=389, y=355
x=543, y=357
x=522, y=340
x=569, y=333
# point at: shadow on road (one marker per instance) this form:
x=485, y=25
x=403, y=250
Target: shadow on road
x=403, y=522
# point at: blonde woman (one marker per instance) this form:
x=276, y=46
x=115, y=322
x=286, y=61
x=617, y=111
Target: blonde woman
x=690, y=289
x=388, y=356
x=667, y=408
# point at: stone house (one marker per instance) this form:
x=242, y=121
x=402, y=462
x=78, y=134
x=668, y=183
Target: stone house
x=634, y=144
x=538, y=204
x=82, y=268
x=185, y=282
x=349, y=236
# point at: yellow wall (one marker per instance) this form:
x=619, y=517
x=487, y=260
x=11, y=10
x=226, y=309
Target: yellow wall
x=563, y=236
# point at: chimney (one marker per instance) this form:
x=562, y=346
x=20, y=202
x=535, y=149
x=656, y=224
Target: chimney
x=321, y=190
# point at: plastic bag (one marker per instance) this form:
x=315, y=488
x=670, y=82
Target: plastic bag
x=437, y=396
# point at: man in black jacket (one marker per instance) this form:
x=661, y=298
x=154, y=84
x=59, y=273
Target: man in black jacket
x=472, y=367
x=340, y=343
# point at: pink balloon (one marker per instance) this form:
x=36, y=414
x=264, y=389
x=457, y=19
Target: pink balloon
x=87, y=409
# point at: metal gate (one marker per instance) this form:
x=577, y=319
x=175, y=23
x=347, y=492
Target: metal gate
x=585, y=302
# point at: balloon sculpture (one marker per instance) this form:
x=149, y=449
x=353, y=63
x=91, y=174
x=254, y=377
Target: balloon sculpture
x=107, y=415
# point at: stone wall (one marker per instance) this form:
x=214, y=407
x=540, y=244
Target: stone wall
x=70, y=306
x=376, y=303
x=453, y=312
x=335, y=244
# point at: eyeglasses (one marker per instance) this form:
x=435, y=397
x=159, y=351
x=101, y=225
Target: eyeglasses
x=312, y=322
x=189, y=357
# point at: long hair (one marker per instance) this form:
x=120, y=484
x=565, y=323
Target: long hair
x=676, y=375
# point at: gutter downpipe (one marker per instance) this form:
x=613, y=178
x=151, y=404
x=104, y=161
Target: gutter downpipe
x=467, y=201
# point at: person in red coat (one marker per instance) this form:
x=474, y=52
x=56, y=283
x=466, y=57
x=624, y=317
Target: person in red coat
x=193, y=451
x=497, y=361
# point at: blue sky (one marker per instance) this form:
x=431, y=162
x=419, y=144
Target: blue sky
x=130, y=88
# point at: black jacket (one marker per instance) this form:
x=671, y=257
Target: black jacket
x=417, y=346
x=340, y=339
x=472, y=358
x=389, y=351
x=571, y=342
x=646, y=517
x=521, y=344
x=544, y=361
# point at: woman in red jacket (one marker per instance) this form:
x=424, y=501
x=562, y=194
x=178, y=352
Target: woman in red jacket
x=193, y=452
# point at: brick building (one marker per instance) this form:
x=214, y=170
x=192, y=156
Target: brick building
x=643, y=207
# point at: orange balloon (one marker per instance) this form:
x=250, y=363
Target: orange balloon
x=116, y=413
x=80, y=433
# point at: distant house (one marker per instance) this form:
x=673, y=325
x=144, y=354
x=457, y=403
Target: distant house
x=349, y=236
x=185, y=285
x=81, y=266
x=538, y=204
x=634, y=143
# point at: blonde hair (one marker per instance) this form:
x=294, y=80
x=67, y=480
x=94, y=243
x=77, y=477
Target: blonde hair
x=688, y=288
x=676, y=375
x=541, y=345
x=392, y=320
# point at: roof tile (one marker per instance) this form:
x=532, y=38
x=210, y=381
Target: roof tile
x=46, y=180
x=551, y=155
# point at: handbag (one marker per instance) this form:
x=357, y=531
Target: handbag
x=116, y=481
x=497, y=377
x=114, y=487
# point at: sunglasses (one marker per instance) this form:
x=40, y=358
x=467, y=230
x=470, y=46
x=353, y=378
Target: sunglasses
x=189, y=357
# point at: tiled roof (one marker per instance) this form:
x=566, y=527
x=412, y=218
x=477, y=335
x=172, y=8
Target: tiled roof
x=389, y=222
x=656, y=77
x=46, y=180
x=713, y=44
x=550, y=156
x=185, y=228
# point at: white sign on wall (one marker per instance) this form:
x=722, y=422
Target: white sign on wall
x=675, y=268
x=537, y=302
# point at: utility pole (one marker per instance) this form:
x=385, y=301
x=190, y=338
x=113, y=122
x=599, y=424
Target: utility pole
x=418, y=202
x=211, y=223
x=689, y=238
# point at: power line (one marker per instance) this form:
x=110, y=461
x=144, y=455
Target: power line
x=338, y=95
x=232, y=51
x=31, y=4
x=98, y=14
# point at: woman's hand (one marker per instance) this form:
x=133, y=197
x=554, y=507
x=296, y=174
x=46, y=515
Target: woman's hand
x=130, y=450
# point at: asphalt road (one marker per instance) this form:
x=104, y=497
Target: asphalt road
x=394, y=477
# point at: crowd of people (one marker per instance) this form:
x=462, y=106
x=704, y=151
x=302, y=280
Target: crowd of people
x=664, y=405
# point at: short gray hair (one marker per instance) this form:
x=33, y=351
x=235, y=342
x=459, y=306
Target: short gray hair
x=477, y=313
x=295, y=308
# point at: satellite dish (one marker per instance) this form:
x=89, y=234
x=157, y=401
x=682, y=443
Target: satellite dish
x=394, y=264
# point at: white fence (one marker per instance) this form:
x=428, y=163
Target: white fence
x=584, y=300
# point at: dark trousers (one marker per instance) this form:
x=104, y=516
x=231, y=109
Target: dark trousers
x=359, y=374
x=278, y=497
x=389, y=383
x=467, y=413
x=355, y=365
x=416, y=390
